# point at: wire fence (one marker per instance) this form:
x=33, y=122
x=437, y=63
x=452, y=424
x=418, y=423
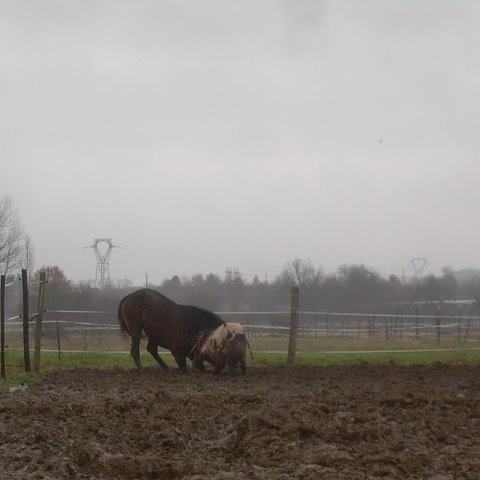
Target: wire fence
x=318, y=332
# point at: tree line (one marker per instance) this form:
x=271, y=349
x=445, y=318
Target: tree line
x=354, y=288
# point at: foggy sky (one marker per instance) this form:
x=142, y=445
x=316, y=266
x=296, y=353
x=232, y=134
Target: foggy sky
x=201, y=135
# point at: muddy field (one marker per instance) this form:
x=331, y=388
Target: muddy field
x=349, y=422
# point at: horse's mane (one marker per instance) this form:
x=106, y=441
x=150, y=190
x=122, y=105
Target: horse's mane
x=214, y=319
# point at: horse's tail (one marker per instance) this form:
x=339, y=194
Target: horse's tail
x=121, y=320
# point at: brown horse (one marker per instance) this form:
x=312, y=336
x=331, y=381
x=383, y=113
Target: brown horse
x=165, y=323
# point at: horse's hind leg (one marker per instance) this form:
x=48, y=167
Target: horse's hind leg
x=152, y=348
x=135, y=350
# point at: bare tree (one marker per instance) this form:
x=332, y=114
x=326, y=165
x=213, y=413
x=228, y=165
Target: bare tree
x=11, y=236
x=300, y=272
x=56, y=278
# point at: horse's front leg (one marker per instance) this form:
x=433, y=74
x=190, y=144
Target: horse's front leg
x=181, y=360
x=197, y=364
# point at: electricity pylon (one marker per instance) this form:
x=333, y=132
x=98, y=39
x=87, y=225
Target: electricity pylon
x=102, y=274
x=418, y=265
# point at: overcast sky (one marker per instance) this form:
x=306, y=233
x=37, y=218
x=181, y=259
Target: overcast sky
x=205, y=134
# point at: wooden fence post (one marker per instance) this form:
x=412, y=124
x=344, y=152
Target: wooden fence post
x=459, y=324
x=468, y=325
x=26, y=326
x=58, y=343
x=2, y=326
x=38, y=325
x=416, y=323
x=292, y=343
x=396, y=318
x=439, y=323
x=401, y=324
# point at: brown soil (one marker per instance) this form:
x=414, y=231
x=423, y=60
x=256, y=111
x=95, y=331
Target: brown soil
x=341, y=422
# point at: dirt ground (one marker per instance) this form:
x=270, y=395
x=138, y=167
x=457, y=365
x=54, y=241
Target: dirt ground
x=340, y=422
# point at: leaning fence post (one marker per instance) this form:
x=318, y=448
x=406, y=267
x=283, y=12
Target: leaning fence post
x=38, y=325
x=292, y=343
x=2, y=326
x=26, y=326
